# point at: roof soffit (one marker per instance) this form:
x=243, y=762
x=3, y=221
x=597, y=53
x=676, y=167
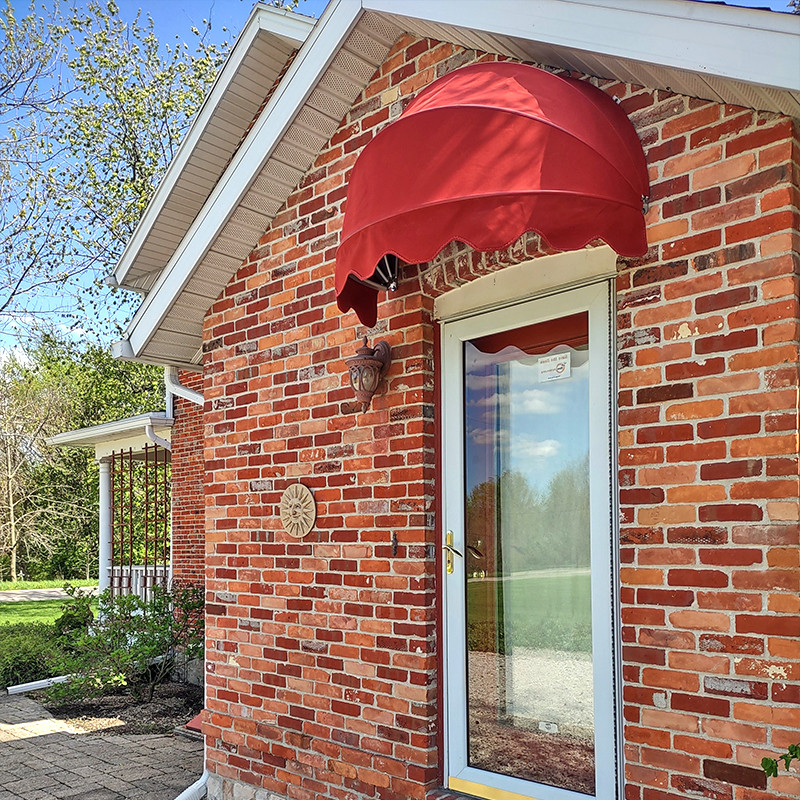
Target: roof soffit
x=269, y=37
x=350, y=41
x=687, y=47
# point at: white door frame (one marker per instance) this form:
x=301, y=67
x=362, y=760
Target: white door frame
x=596, y=299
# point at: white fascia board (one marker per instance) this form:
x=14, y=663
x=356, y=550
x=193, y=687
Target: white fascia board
x=111, y=431
x=123, y=351
x=760, y=47
x=313, y=58
x=279, y=22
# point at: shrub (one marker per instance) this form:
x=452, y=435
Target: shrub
x=135, y=643
x=76, y=616
x=29, y=652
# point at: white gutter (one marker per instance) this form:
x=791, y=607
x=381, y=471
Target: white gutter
x=176, y=387
x=109, y=431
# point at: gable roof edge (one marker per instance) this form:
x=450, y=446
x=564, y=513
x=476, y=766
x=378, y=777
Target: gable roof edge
x=308, y=66
x=280, y=23
x=680, y=34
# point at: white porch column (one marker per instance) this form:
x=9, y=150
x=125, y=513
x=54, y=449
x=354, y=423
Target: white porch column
x=105, y=530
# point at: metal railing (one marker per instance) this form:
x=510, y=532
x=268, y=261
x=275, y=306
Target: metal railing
x=138, y=579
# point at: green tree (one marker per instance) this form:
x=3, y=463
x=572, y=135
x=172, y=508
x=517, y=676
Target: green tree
x=131, y=105
x=32, y=510
x=83, y=157
x=48, y=496
x=30, y=88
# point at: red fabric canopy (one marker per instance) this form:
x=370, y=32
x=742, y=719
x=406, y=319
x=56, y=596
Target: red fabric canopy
x=483, y=155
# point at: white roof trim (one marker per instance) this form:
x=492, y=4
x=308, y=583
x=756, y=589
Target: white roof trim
x=679, y=37
x=276, y=21
x=111, y=431
x=705, y=38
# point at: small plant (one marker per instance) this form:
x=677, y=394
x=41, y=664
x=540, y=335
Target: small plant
x=134, y=643
x=770, y=765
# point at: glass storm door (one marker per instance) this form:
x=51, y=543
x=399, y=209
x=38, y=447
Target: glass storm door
x=530, y=668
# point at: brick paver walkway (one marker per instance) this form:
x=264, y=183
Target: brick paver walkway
x=42, y=758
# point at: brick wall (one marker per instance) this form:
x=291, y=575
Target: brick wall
x=188, y=474
x=708, y=332
x=322, y=653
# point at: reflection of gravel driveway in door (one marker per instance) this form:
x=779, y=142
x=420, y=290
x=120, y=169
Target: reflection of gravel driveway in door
x=541, y=685
x=510, y=697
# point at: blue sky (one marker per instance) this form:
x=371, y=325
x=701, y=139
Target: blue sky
x=175, y=17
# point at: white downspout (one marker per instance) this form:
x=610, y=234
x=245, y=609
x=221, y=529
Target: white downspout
x=197, y=790
x=154, y=437
x=176, y=387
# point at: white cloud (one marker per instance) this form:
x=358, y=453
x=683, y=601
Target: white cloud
x=482, y=435
x=537, y=401
x=527, y=447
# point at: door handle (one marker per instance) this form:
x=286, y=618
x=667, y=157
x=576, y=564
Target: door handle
x=450, y=552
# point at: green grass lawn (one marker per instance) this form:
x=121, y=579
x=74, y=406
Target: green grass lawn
x=551, y=611
x=59, y=584
x=30, y=611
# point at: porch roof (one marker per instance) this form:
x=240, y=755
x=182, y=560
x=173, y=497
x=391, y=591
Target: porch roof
x=686, y=47
x=123, y=434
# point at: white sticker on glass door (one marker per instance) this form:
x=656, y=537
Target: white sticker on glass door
x=554, y=367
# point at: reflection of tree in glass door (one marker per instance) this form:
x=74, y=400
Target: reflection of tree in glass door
x=528, y=604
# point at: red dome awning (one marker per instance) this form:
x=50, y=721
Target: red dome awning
x=483, y=155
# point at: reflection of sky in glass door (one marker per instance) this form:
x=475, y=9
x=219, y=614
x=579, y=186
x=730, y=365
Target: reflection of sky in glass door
x=546, y=421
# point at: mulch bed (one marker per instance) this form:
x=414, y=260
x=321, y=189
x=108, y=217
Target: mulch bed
x=173, y=705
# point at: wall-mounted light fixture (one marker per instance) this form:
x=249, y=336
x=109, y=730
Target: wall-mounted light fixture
x=366, y=368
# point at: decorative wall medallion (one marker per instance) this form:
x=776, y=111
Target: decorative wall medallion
x=298, y=510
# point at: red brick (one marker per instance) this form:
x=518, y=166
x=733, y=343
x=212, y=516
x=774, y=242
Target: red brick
x=695, y=535
x=735, y=773
x=730, y=512
x=738, y=340
x=726, y=470
x=730, y=299
x=664, y=433
x=694, y=369
x=661, y=394
x=729, y=426
x=719, y=643
x=664, y=597
x=769, y=625
x=763, y=226
x=699, y=704
x=692, y=244
x=697, y=577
